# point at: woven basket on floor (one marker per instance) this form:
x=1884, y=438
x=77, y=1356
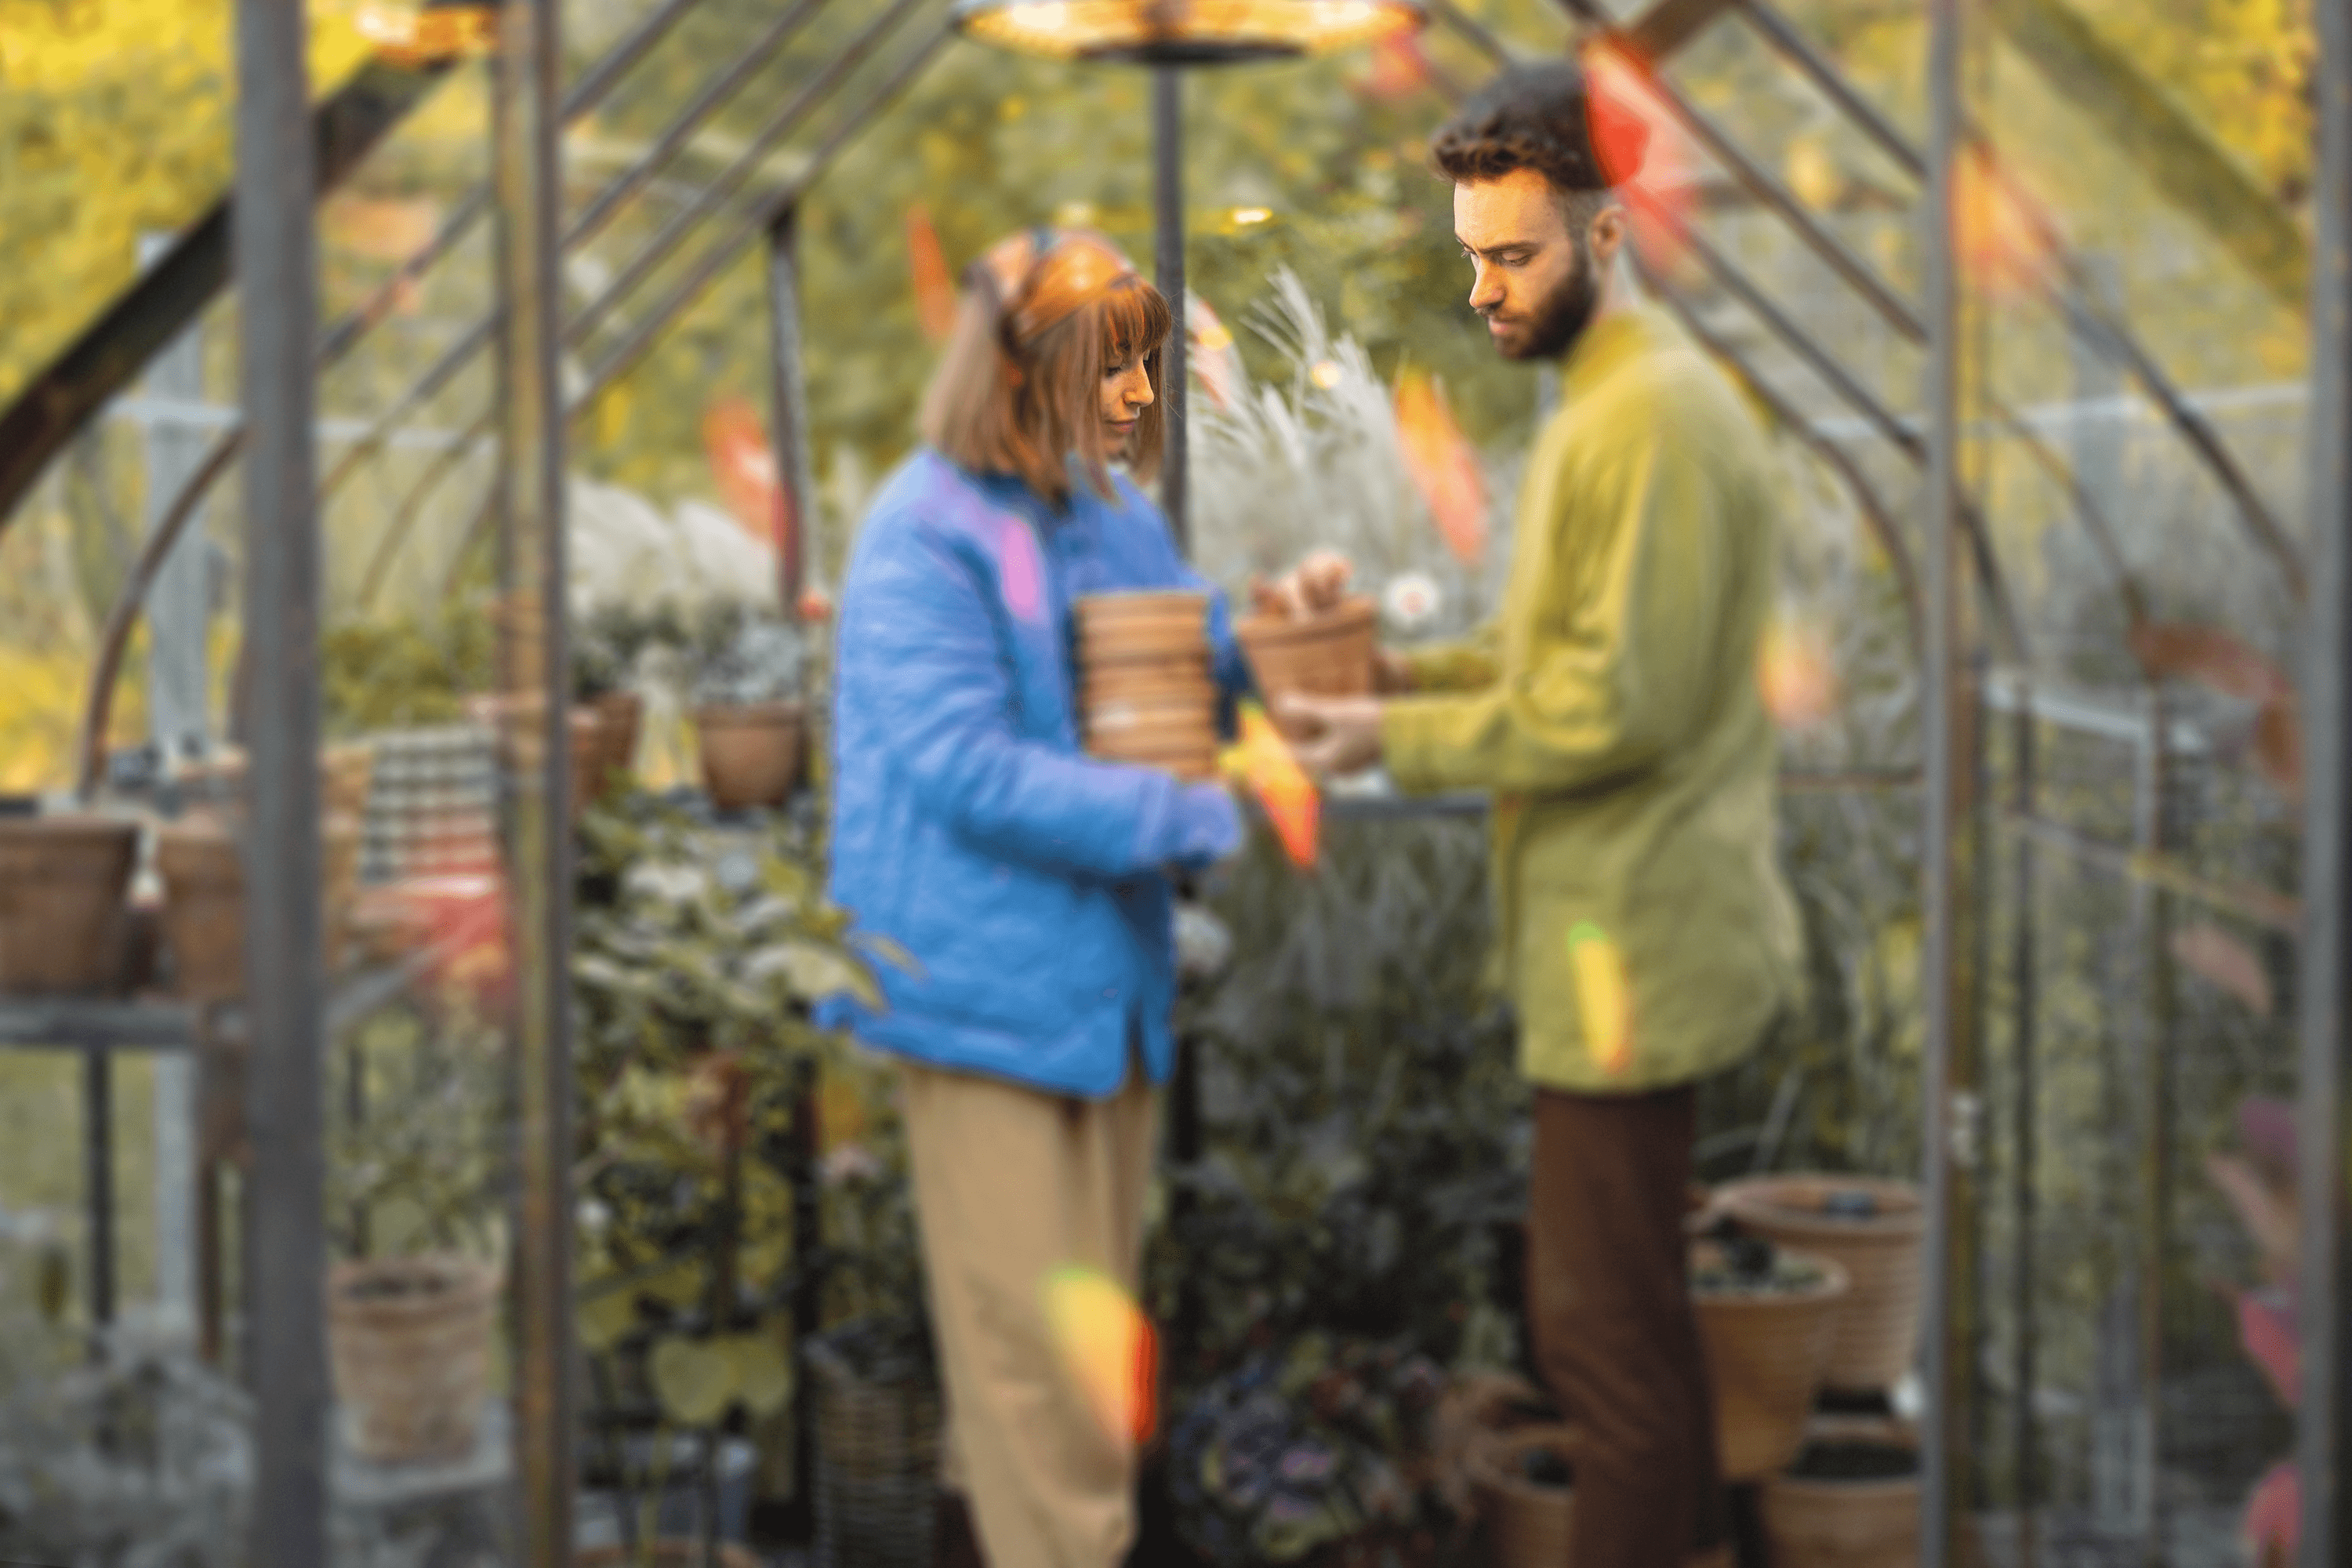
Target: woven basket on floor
x=877, y=1461
x=1525, y=1525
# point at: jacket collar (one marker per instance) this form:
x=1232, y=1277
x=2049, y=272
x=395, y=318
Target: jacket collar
x=1609, y=344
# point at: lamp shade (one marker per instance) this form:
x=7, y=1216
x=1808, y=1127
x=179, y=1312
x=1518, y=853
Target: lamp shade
x=1185, y=32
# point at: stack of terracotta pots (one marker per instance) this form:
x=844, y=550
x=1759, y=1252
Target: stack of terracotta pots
x=1147, y=694
x=1328, y=653
x=1874, y=1228
x=63, y=924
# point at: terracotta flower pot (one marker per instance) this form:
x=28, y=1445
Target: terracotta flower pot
x=1839, y=1507
x=1526, y=1520
x=410, y=1342
x=1875, y=1229
x=1766, y=1346
x=1146, y=696
x=203, y=899
x=620, y=715
x=1328, y=655
x=62, y=920
x=750, y=753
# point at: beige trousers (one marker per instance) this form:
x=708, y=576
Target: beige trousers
x=1012, y=1183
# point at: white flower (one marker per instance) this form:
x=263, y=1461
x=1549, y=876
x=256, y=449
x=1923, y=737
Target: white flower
x=850, y=1162
x=1410, y=601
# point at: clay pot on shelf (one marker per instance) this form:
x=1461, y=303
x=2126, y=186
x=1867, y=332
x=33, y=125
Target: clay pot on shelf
x=63, y=924
x=1324, y=655
x=1871, y=1227
x=750, y=753
x=1146, y=695
x=1767, y=1339
x=1523, y=1482
x=409, y=1339
x=203, y=899
x=620, y=715
x=1850, y=1500
x=517, y=719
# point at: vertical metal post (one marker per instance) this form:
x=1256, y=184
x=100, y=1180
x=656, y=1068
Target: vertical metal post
x=98, y=1182
x=788, y=409
x=537, y=671
x=2323, y=1443
x=2025, y=1114
x=284, y=957
x=1167, y=193
x=1944, y=1433
x=2152, y=1113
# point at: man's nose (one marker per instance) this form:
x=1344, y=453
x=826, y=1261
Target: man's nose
x=1486, y=290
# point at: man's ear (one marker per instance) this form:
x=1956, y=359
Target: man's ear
x=1607, y=236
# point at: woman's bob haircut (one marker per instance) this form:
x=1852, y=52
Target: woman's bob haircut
x=1044, y=318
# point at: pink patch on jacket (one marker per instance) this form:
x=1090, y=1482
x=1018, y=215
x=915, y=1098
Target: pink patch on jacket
x=1021, y=573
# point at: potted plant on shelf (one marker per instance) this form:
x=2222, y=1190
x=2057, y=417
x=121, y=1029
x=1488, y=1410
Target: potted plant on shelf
x=1850, y=1499
x=612, y=642
x=748, y=717
x=63, y=923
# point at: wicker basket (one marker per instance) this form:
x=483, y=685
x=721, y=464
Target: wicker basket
x=63, y=927
x=877, y=1461
x=1765, y=1352
x=1817, y=1523
x=1877, y=1330
x=1525, y=1525
x=1329, y=655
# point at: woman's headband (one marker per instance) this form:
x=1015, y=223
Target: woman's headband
x=1044, y=276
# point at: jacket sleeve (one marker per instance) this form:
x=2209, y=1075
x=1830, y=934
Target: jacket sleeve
x=1463, y=665
x=918, y=643
x=1608, y=663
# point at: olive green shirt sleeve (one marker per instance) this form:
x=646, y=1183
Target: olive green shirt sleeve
x=1607, y=647
x=1466, y=664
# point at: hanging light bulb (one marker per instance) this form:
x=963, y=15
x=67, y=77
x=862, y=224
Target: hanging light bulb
x=1185, y=32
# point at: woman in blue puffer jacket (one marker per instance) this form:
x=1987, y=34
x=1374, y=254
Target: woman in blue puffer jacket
x=1024, y=887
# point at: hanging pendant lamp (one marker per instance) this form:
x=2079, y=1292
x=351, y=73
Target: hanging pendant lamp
x=1185, y=32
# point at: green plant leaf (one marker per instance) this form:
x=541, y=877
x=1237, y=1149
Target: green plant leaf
x=695, y=1380
x=762, y=1372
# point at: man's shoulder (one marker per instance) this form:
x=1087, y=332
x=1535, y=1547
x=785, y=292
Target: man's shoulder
x=1668, y=392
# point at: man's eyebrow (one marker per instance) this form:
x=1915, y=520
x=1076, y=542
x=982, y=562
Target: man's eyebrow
x=1497, y=249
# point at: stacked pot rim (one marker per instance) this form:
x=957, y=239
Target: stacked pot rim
x=1877, y=1333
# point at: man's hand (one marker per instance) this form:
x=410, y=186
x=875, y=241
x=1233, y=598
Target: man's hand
x=1339, y=735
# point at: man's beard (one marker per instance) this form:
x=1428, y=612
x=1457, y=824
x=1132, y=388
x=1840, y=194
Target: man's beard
x=1565, y=312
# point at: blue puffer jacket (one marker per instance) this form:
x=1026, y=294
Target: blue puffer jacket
x=1026, y=884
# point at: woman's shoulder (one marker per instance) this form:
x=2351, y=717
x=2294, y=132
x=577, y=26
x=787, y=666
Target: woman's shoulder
x=927, y=494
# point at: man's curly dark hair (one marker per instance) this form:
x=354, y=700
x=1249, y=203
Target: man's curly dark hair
x=1540, y=116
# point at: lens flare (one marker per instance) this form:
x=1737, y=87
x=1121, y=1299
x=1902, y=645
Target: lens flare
x=1604, y=996
x=1443, y=464
x=1109, y=1348
x=1796, y=674
x=1642, y=152
x=1999, y=233
x=744, y=464
x=1263, y=762
x=935, y=302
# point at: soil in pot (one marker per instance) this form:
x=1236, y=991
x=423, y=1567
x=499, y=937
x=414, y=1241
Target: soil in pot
x=1851, y=1500
x=1326, y=655
x=1875, y=1229
x=63, y=926
x=410, y=1342
x=1766, y=1318
x=750, y=753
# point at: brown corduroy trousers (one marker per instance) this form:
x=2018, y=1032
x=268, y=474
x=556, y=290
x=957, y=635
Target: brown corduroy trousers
x=1609, y=1312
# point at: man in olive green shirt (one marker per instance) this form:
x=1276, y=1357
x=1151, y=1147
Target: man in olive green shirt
x=1613, y=712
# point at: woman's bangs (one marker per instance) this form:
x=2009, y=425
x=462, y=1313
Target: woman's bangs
x=1133, y=319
